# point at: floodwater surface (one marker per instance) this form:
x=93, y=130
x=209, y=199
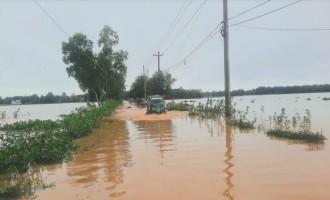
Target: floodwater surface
x=183, y=157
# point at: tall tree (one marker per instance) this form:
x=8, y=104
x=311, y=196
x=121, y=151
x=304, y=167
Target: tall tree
x=160, y=83
x=78, y=54
x=137, y=87
x=99, y=74
x=112, y=63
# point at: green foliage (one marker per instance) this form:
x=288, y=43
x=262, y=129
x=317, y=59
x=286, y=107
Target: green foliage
x=24, y=144
x=17, y=185
x=178, y=106
x=45, y=99
x=137, y=87
x=273, y=90
x=181, y=93
x=101, y=74
x=298, y=128
x=297, y=135
x=160, y=83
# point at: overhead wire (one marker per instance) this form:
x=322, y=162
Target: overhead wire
x=175, y=21
x=259, y=16
x=248, y=10
x=200, y=45
x=60, y=28
x=187, y=23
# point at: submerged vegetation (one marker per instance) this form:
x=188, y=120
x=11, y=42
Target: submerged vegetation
x=299, y=128
x=24, y=144
x=214, y=108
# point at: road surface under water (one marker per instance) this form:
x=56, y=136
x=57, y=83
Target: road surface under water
x=189, y=158
x=175, y=156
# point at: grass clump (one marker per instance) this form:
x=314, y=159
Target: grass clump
x=182, y=106
x=239, y=119
x=299, y=128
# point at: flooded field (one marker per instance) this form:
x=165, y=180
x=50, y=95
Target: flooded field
x=183, y=157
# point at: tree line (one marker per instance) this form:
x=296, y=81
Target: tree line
x=45, y=99
x=273, y=90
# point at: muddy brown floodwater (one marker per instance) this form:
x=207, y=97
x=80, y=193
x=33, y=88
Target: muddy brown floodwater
x=174, y=156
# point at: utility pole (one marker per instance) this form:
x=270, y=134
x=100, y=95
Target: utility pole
x=145, y=85
x=225, y=35
x=158, y=55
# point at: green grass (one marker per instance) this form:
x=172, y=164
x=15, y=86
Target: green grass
x=297, y=135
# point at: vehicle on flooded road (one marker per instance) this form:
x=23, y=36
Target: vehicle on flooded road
x=156, y=104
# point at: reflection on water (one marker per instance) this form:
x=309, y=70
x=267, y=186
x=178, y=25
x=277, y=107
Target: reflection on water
x=161, y=132
x=97, y=170
x=308, y=146
x=108, y=159
x=229, y=156
x=193, y=158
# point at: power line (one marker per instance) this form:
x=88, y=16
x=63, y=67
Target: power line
x=177, y=18
x=58, y=26
x=191, y=18
x=173, y=24
x=200, y=45
x=285, y=29
x=239, y=14
x=259, y=16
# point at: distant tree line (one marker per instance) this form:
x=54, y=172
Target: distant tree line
x=181, y=93
x=273, y=90
x=45, y=99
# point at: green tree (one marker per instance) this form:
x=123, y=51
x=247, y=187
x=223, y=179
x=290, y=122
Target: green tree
x=160, y=83
x=78, y=54
x=137, y=87
x=112, y=64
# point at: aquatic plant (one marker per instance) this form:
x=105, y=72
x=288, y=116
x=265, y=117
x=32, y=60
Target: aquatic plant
x=239, y=118
x=17, y=185
x=24, y=144
x=300, y=129
x=182, y=106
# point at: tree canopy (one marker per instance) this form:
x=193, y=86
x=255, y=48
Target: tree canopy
x=160, y=83
x=101, y=74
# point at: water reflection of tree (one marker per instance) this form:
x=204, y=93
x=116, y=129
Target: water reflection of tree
x=308, y=146
x=107, y=155
x=229, y=165
x=161, y=132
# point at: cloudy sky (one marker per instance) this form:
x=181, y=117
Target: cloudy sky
x=31, y=57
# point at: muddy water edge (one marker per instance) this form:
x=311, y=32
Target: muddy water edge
x=190, y=158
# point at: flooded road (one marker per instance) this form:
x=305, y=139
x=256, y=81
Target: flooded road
x=189, y=158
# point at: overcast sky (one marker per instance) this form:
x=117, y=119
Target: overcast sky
x=31, y=57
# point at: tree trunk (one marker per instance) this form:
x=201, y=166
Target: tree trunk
x=96, y=96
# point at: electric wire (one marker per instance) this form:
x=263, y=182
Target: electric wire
x=285, y=29
x=177, y=18
x=58, y=26
x=200, y=45
x=174, y=23
x=239, y=14
x=188, y=22
x=259, y=16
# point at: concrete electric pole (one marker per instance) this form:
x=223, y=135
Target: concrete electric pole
x=158, y=55
x=224, y=32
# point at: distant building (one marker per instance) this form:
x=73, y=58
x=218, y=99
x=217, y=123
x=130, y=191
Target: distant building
x=16, y=102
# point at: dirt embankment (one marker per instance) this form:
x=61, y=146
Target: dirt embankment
x=129, y=112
